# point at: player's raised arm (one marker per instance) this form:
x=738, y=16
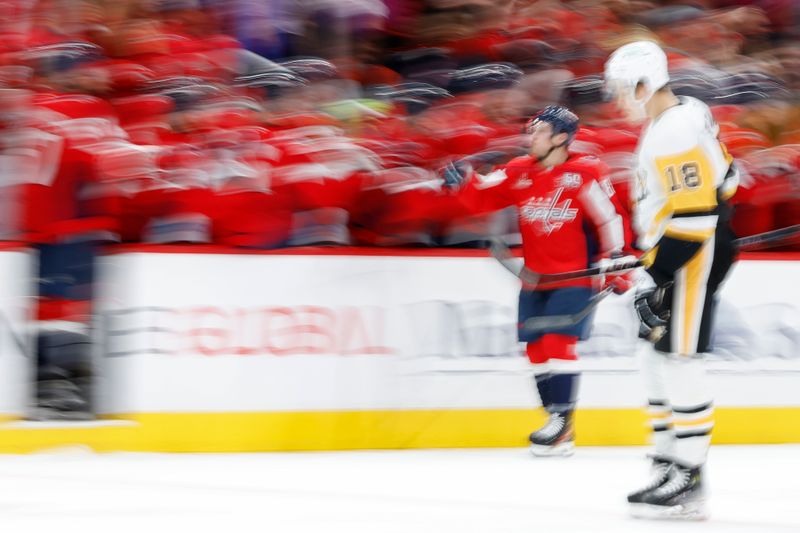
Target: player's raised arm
x=479, y=193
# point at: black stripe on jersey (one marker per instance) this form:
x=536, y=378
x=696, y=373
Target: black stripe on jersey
x=662, y=428
x=657, y=403
x=692, y=410
x=690, y=214
x=689, y=435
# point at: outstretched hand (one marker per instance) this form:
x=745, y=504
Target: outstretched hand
x=455, y=173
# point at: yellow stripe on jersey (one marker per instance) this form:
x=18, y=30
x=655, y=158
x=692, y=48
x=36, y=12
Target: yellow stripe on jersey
x=725, y=153
x=656, y=226
x=688, y=181
x=693, y=279
x=649, y=257
x=679, y=423
x=661, y=415
x=689, y=235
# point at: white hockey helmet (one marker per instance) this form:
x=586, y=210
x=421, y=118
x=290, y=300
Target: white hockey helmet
x=638, y=62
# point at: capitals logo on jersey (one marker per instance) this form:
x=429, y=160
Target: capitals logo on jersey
x=547, y=214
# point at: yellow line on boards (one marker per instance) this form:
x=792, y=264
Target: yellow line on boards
x=349, y=430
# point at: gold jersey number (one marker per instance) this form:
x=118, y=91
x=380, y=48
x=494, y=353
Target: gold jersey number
x=684, y=175
x=687, y=181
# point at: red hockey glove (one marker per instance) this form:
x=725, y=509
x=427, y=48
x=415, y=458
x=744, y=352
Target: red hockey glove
x=621, y=282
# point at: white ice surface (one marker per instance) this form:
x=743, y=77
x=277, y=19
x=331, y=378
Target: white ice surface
x=754, y=489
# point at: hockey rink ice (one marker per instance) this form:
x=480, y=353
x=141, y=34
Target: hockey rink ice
x=754, y=489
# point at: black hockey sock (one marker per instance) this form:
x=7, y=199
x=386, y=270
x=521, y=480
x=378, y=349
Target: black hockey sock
x=563, y=392
x=543, y=387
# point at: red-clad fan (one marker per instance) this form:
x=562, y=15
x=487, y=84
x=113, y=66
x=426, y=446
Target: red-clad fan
x=322, y=177
x=247, y=211
x=122, y=170
x=740, y=141
x=54, y=133
x=127, y=168
x=75, y=105
x=178, y=206
x=145, y=118
x=455, y=128
x=767, y=195
x=250, y=214
x=32, y=159
x=403, y=204
x=398, y=142
x=480, y=47
x=400, y=206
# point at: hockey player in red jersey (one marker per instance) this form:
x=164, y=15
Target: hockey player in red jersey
x=561, y=207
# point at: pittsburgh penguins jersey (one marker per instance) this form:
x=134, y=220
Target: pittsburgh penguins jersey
x=563, y=211
x=681, y=176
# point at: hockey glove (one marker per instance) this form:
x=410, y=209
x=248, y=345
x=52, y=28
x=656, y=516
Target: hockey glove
x=456, y=173
x=620, y=282
x=653, y=317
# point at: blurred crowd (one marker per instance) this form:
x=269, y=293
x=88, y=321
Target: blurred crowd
x=266, y=123
x=272, y=123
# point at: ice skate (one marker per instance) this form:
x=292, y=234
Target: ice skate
x=659, y=473
x=556, y=438
x=680, y=497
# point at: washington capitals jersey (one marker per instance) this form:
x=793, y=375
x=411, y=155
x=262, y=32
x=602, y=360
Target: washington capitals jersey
x=560, y=209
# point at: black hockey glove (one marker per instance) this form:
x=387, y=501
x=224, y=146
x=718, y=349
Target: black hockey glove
x=456, y=173
x=653, y=317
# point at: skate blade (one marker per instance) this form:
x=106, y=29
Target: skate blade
x=694, y=511
x=565, y=449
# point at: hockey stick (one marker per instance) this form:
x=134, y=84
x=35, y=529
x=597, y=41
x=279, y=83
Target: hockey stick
x=532, y=279
x=545, y=323
x=766, y=238
x=503, y=254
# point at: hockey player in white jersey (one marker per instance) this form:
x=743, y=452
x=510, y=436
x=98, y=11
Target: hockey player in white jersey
x=684, y=178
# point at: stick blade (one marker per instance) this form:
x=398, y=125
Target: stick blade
x=546, y=323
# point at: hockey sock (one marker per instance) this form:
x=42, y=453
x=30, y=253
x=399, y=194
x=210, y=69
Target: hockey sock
x=563, y=382
x=563, y=392
x=659, y=415
x=541, y=371
x=543, y=388
x=692, y=408
x=659, y=410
